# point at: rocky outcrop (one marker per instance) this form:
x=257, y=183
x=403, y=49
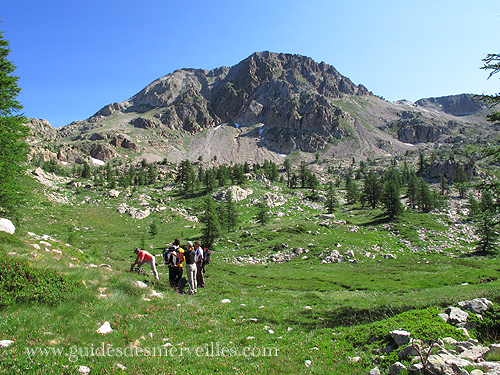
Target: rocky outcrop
x=103, y=152
x=468, y=353
x=456, y=105
x=448, y=169
x=414, y=129
x=145, y=123
x=237, y=193
x=124, y=141
x=41, y=127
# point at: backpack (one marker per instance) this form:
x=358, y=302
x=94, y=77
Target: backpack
x=167, y=252
x=206, y=256
x=182, y=284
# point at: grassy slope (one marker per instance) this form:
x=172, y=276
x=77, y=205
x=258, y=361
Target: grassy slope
x=344, y=298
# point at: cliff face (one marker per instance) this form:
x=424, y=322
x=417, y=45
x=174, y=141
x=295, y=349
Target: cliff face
x=456, y=105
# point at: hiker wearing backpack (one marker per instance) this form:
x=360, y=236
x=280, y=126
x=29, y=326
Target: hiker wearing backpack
x=174, y=256
x=199, y=264
x=190, y=255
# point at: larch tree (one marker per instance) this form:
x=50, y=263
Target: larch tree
x=13, y=132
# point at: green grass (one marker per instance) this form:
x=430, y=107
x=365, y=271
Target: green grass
x=282, y=313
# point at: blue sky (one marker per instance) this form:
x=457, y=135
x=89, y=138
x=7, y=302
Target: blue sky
x=74, y=57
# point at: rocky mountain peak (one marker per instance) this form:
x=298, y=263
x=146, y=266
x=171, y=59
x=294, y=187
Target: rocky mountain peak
x=269, y=105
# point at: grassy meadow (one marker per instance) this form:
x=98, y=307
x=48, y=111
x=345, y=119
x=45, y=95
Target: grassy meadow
x=297, y=317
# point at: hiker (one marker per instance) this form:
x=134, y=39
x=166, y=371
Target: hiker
x=200, y=264
x=190, y=255
x=144, y=257
x=174, y=257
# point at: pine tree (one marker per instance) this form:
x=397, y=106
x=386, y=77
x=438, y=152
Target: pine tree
x=486, y=220
x=331, y=199
x=231, y=213
x=352, y=194
x=211, y=226
x=412, y=190
x=288, y=171
x=13, y=148
x=210, y=180
x=153, y=229
x=391, y=200
x=303, y=174
x=152, y=173
x=461, y=180
x=372, y=190
x=86, y=173
x=263, y=214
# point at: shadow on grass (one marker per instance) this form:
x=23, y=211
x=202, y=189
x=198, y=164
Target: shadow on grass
x=378, y=220
x=346, y=316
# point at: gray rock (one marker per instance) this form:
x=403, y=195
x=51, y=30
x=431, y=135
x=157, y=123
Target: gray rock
x=474, y=353
x=476, y=306
x=442, y=363
x=457, y=315
x=400, y=337
x=397, y=368
x=444, y=316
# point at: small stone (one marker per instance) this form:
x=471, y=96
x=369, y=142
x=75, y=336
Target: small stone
x=6, y=343
x=226, y=300
x=140, y=284
x=83, y=370
x=105, y=328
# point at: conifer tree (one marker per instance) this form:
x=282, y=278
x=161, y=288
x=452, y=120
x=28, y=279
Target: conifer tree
x=391, y=200
x=412, y=190
x=352, y=193
x=331, y=199
x=486, y=219
x=13, y=148
x=288, y=171
x=231, y=213
x=372, y=190
x=86, y=173
x=211, y=225
x=461, y=179
x=263, y=214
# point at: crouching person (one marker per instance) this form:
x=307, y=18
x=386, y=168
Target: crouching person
x=145, y=257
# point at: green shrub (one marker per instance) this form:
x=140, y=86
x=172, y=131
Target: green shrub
x=424, y=324
x=488, y=328
x=22, y=283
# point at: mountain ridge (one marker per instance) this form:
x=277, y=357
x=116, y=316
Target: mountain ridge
x=270, y=105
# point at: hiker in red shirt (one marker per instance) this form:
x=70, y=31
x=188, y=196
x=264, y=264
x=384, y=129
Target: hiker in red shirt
x=144, y=257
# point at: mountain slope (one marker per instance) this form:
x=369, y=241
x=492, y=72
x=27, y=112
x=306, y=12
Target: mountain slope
x=270, y=105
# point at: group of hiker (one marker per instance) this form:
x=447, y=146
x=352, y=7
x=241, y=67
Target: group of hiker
x=175, y=256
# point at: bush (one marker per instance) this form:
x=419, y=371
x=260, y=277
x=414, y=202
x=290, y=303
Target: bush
x=424, y=324
x=488, y=327
x=22, y=283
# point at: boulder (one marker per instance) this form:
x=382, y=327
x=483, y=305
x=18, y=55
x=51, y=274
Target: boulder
x=400, y=337
x=397, y=368
x=237, y=193
x=476, y=306
x=7, y=226
x=457, y=315
x=114, y=193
